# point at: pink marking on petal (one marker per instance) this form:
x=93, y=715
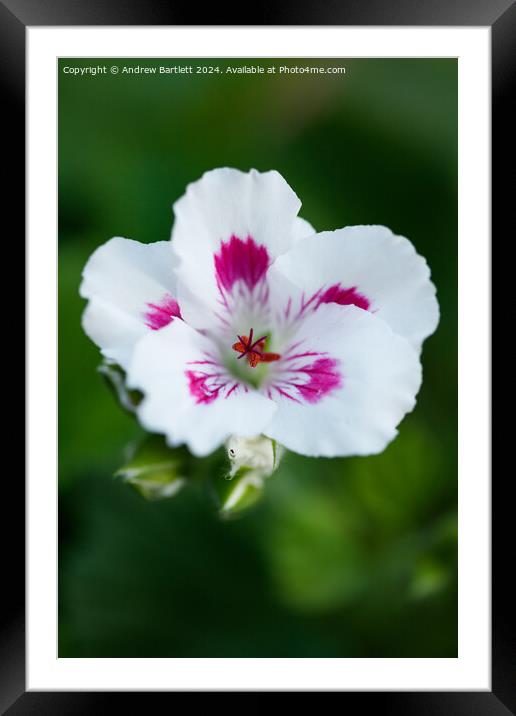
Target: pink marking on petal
x=232, y=389
x=296, y=356
x=344, y=297
x=285, y=394
x=203, y=362
x=210, y=381
x=323, y=379
x=239, y=260
x=162, y=313
x=201, y=386
x=312, y=381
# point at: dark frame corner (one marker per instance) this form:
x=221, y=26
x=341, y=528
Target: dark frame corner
x=500, y=15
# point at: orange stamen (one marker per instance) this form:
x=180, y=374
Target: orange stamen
x=254, y=350
x=269, y=357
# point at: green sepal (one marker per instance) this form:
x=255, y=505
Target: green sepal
x=234, y=495
x=115, y=378
x=155, y=470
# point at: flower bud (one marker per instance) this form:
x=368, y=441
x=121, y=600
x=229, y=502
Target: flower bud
x=252, y=460
x=258, y=454
x=155, y=470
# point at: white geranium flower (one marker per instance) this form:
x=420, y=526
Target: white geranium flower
x=249, y=322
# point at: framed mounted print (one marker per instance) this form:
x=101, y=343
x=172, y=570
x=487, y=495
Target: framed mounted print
x=258, y=366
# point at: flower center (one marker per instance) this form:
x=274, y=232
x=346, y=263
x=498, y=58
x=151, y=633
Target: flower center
x=253, y=350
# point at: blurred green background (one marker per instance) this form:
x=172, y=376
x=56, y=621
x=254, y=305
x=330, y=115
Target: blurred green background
x=342, y=558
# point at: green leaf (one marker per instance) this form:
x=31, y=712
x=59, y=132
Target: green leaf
x=115, y=379
x=154, y=469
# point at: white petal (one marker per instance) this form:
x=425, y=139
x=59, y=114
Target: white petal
x=380, y=377
x=302, y=229
x=112, y=329
x=227, y=203
x=163, y=365
x=124, y=281
x=380, y=266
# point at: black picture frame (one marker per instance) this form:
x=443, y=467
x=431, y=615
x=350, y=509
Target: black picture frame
x=15, y=17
